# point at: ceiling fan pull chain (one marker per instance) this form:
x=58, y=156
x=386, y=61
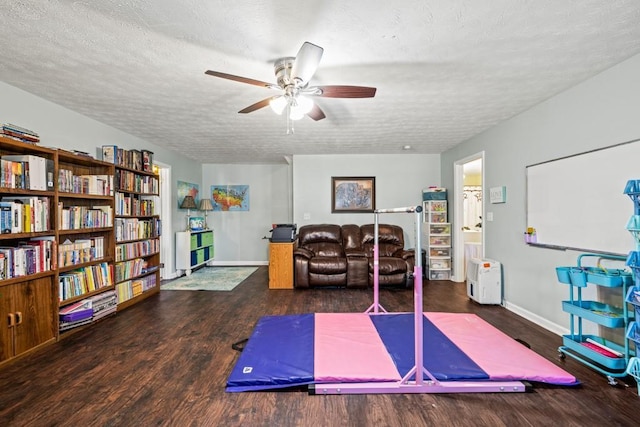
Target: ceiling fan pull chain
x=290, y=129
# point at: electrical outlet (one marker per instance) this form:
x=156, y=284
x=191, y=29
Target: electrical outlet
x=306, y=216
x=489, y=216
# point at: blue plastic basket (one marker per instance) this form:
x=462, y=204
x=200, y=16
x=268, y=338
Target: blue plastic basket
x=633, y=369
x=563, y=274
x=578, y=277
x=633, y=296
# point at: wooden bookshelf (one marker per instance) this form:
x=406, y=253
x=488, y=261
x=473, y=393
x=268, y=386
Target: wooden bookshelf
x=84, y=221
x=137, y=255
x=67, y=242
x=28, y=304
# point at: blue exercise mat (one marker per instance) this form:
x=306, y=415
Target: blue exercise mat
x=441, y=357
x=279, y=354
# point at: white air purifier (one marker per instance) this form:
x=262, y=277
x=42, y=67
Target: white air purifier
x=484, y=281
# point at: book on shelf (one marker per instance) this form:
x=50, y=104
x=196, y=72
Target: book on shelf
x=147, y=161
x=65, y=326
x=109, y=153
x=11, y=217
x=50, y=170
x=29, y=214
x=5, y=217
x=19, y=133
x=34, y=169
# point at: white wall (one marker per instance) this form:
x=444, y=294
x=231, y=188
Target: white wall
x=400, y=179
x=62, y=128
x=598, y=112
x=238, y=236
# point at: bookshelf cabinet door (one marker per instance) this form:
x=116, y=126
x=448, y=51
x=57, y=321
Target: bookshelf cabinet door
x=6, y=330
x=35, y=313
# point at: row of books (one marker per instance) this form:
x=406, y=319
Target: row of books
x=26, y=172
x=129, y=269
x=131, y=181
x=136, y=229
x=132, y=250
x=101, y=185
x=133, y=206
x=141, y=160
x=88, y=310
x=32, y=257
x=84, y=280
x=133, y=288
x=19, y=133
x=79, y=217
x=24, y=214
x=80, y=251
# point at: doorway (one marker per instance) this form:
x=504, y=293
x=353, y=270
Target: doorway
x=468, y=213
x=166, y=241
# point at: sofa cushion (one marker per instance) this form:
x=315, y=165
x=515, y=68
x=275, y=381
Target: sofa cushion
x=390, y=239
x=324, y=240
x=328, y=265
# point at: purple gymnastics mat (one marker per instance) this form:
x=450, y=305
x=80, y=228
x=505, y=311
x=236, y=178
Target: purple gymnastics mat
x=294, y=350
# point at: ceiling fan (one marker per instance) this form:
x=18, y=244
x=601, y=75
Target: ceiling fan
x=292, y=76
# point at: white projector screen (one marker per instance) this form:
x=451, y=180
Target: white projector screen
x=578, y=202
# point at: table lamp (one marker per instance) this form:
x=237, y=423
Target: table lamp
x=188, y=203
x=206, y=206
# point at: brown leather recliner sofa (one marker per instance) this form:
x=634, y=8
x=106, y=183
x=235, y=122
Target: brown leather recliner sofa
x=342, y=256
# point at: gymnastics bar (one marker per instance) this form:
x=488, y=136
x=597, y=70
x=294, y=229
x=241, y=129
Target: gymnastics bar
x=406, y=385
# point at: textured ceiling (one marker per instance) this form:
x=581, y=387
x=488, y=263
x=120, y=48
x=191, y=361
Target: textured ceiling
x=445, y=70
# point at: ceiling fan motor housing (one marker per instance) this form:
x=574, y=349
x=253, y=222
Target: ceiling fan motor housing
x=282, y=69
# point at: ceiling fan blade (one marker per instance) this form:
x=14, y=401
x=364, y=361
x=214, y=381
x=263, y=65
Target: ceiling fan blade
x=258, y=105
x=242, y=79
x=345, y=91
x=306, y=63
x=316, y=113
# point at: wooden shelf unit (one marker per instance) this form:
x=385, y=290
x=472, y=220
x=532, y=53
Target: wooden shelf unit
x=84, y=221
x=28, y=304
x=137, y=251
x=71, y=223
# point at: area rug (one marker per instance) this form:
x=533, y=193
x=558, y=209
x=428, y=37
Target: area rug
x=210, y=279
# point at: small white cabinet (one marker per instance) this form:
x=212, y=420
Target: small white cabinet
x=193, y=249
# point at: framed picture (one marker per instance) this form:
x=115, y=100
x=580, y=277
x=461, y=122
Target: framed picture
x=196, y=223
x=353, y=194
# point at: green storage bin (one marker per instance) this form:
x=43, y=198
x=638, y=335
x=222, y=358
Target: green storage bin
x=207, y=238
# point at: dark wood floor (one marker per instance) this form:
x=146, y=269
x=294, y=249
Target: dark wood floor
x=165, y=362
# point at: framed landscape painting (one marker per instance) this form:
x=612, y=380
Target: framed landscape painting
x=353, y=194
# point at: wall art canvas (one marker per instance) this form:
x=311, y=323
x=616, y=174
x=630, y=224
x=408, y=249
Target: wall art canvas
x=188, y=189
x=230, y=197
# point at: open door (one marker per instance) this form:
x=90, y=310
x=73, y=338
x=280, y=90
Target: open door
x=468, y=213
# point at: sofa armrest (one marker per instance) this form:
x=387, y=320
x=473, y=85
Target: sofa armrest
x=404, y=254
x=303, y=252
x=355, y=253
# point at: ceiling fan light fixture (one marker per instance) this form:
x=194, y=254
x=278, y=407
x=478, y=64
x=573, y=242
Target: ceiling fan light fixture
x=299, y=106
x=278, y=104
x=304, y=103
x=296, y=113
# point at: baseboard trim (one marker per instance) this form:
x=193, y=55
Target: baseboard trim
x=236, y=263
x=540, y=321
